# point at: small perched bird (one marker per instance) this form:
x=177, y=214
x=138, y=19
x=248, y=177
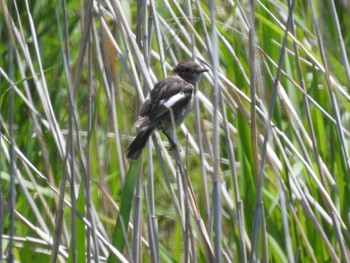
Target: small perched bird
x=172, y=94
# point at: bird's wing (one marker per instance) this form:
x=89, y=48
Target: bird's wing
x=163, y=91
x=175, y=103
x=170, y=93
x=169, y=87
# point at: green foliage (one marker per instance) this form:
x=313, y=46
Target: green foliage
x=121, y=227
x=70, y=83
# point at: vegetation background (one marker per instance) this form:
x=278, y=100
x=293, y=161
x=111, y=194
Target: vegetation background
x=263, y=164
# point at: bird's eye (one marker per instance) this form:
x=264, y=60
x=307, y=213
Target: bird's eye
x=187, y=70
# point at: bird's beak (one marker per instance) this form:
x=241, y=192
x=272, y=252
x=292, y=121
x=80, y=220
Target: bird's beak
x=203, y=70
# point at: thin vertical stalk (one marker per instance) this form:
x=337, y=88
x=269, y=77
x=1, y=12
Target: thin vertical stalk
x=307, y=108
x=152, y=224
x=59, y=213
x=89, y=203
x=197, y=116
x=182, y=188
x=342, y=49
x=253, y=84
x=231, y=157
x=136, y=247
x=335, y=110
x=41, y=85
x=70, y=146
x=337, y=229
x=141, y=40
x=71, y=161
x=87, y=174
x=2, y=201
x=158, y=37
x=66, y=155
x=216, y=141
x=259, y=202
x=331, y=89
x=12, y=198
x=286, y=231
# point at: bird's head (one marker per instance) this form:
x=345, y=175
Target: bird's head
x=188, y=71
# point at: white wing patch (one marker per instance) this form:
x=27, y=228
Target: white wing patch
x=173, y=99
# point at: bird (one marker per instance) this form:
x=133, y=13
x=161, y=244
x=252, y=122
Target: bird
x=172, y=95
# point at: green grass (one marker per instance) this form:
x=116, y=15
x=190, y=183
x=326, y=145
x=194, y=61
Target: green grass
x=72, y=80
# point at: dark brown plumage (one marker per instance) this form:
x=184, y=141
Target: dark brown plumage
x=173, y=94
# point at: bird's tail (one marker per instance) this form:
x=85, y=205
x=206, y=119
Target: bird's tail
x=135, y=148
